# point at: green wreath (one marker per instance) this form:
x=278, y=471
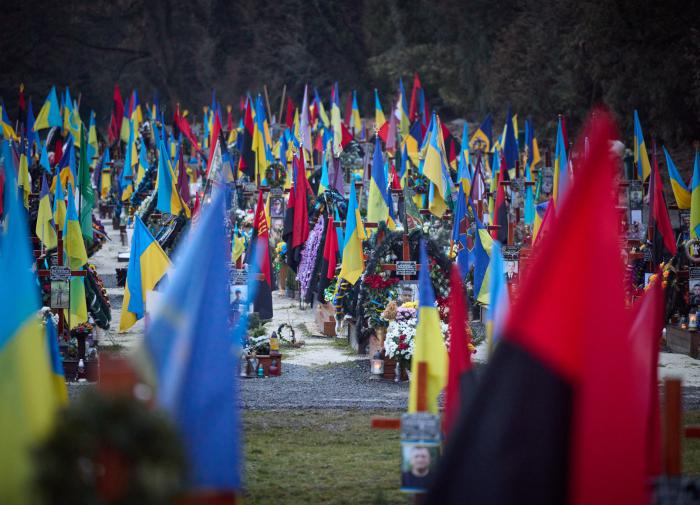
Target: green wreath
x=110, y=450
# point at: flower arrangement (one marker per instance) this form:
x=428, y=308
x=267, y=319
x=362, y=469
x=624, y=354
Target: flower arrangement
x=380, y=289
x=308, y=256
x=280, y=257
x=401, y=332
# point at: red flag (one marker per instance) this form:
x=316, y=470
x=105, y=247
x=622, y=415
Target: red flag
x=645, y=336
x=330, y=249
x=214, y=147
x=22, y=105
x=301, y=209
x=115, y=122
x=500, y=211
x=663, y=238
x=229, y=118
x=197, y=205
x=459, y=357
x=184, y=126
x=57, y=150
x=183, y=181
x=348, y=110
x=413, y=107
x=289, y=118
x=246, y=163
x=347, y=137
x=395, y=179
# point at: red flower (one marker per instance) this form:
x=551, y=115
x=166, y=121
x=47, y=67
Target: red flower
x=402, y=337
x=403, y=346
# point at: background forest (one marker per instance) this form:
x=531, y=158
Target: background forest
x=542, y=57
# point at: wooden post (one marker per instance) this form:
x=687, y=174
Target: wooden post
x=284, y=95
x=267, y=104
x=673, y=410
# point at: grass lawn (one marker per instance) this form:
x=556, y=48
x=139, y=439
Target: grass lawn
x=691, y=447
x=320, y=456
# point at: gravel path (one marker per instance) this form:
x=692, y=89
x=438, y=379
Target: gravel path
x=343, y=385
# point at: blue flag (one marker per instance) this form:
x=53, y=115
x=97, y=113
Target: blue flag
x=194, y=355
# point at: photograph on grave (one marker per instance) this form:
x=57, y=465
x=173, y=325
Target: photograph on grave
x=277, y=207
x=418, y=463
x=408, y=291
x=547, y=181
x=635, y=192
x=60, y=296
x=694, y=287
x=635, y=230
x=511, y=257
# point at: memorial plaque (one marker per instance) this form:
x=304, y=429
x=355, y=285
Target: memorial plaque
x=406, y=268
x=239, y=276
x=59, y=273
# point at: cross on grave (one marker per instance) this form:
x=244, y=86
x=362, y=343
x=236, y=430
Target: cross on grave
x=60, y=271
x=513, y=184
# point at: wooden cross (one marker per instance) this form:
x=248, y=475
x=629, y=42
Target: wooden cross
x=62, y=327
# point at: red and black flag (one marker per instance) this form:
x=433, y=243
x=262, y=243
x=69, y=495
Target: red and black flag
x=260, y=256
x=662, y=236
x=329, y=261
x=500, y=210
x=115, y=122
x=296, y=218
x=246, y=163
x=554, y=418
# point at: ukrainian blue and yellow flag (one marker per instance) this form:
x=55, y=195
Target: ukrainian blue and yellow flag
x=74, y=246
x=126, y=181
x=483, y=243
x=499, y=302
x=641, y=158
x=44, y=158
x=93, y=146
x=680, y=189
x=143, y=163
x=8, y=132
x=23, y=180
x=27, y=390
x=353, y=263
x=169, y=199
x=321, y=110
x=561, y=167
x=324, y=183
x=355, y=121
x=379, y=203
x=45, y=229
x=540, y=213
x=429, y=343
x=436, y=169
x=413, y=141
x=460, y=229
x=379, y=118
x=105, y=175
x=482, y=136
x=57, y=375
x=59, y=204
x=148, y=263
x=336, y=120
x=695, y=199
x=464, y=175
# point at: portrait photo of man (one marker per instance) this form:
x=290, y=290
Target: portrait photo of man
x=418, y=462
